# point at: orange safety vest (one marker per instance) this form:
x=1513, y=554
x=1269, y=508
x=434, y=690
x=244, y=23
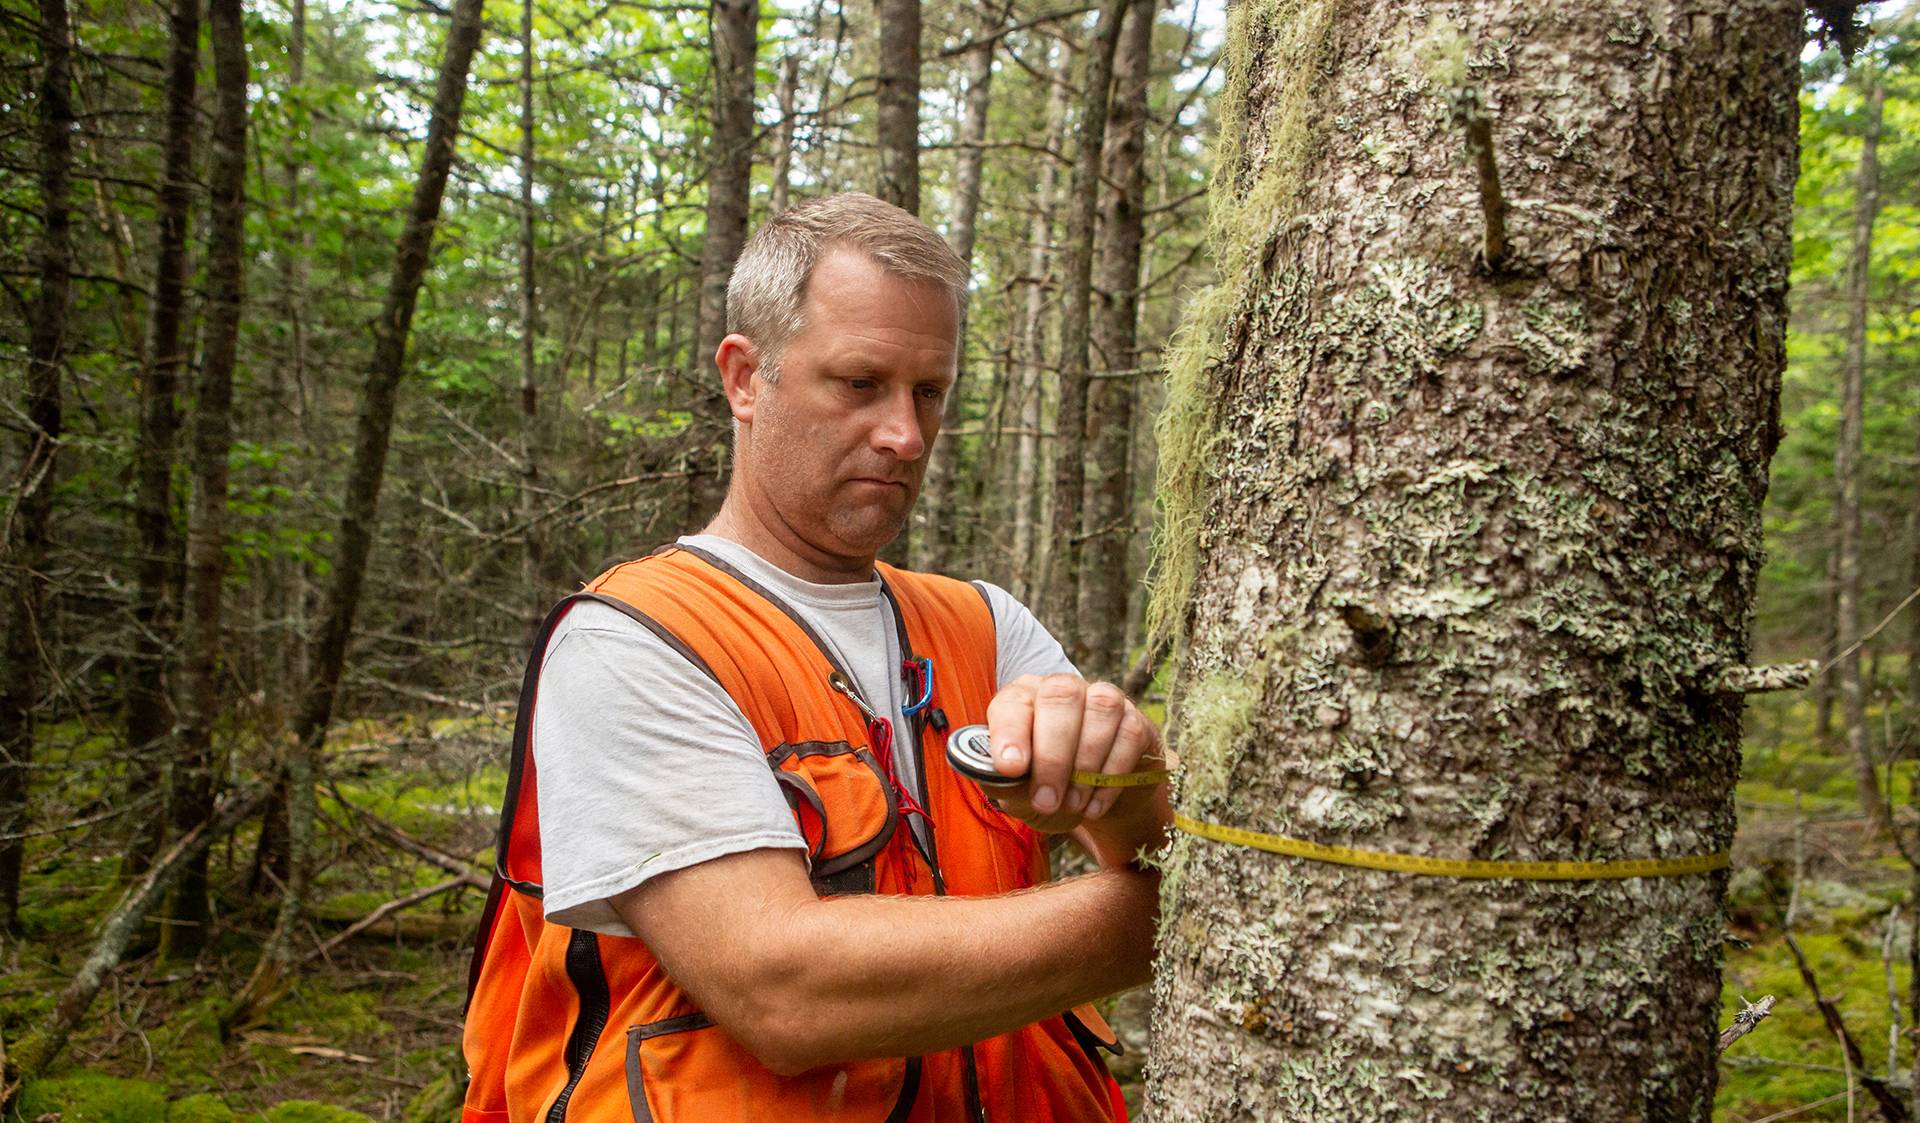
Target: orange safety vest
x=569, y=1025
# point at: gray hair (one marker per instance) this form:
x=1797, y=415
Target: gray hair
x=766, y=296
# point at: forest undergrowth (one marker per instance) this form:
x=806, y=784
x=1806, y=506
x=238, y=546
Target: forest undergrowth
x=372, y=1027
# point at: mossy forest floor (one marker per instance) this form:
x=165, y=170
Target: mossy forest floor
x=373, y=1027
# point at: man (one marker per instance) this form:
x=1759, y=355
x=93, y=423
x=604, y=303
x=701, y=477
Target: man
x=752, y=887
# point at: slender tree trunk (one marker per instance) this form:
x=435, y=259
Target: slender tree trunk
x=149, y=704
x=1028, y=534
x=736, y=25
x=533, y=595
x=934, y=541
x=897, y=104
x=296, y=577
x=1913, y=621
x=897, y=135
x=1846, y=464
x=1070, y=423
x=1823, y=691
x=31, y=510
x=1465, y=543
x=1107, y=578
x=193, y=793
x=784, y=94
x=367, y=471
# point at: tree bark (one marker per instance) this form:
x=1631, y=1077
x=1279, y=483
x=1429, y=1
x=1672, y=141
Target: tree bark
x=934, y=541
x=1846, y=464
x=193, y=789
x=149, y=703
x=897, y=104
x=1106, y=523
x=1029, y=576
x=1070, y=424
x=1464, y=558
x=28, y=522
x=784, y=95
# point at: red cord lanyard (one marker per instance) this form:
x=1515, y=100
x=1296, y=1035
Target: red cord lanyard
x=880, y=739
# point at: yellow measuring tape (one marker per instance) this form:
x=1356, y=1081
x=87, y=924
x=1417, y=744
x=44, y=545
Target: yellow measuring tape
x=1119, y=779
x=1412, y=863
x=1453, y=867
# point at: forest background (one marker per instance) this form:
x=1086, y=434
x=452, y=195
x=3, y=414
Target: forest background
x=203, y=601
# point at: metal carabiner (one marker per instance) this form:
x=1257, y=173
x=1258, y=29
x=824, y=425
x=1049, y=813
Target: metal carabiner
x=919, y=673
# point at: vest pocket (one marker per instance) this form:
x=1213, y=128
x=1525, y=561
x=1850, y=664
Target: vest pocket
x=844, y=805
x=687, y=1070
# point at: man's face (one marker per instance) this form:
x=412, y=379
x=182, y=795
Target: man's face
x=832, y=455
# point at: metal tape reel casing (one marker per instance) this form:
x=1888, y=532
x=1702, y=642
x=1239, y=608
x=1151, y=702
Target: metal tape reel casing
x=970, y=752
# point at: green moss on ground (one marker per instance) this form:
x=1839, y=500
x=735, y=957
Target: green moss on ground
x=201, y=1107
x=309, y=1111
x=91, y=1097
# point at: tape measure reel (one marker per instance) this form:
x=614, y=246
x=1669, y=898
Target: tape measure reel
x=970, y=751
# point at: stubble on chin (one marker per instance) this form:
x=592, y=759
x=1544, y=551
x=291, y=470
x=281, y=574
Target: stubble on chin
x=869, y=527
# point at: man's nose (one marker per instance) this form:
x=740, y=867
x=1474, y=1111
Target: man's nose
x=897, y=430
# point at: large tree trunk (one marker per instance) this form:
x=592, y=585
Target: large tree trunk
x=1463, y=520
x=193, y=790
x=1106, y=522
x=32, y=500
x=736, y=25
x=149, y=704
x=1846, y=464
x=897, y=104
x=934, y=540
x=1028, y=532
x=1070, y=423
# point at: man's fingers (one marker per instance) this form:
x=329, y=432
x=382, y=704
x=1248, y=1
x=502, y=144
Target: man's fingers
x=1131, y=745
x=1058, y=704
x=1010, y=725
x=1105, y=707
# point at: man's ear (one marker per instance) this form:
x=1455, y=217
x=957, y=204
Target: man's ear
x=738, y=360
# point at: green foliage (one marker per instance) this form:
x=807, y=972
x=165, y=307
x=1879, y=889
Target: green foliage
x=1791, y=609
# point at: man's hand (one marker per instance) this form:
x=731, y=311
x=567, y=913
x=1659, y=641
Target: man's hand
x=1054, y=725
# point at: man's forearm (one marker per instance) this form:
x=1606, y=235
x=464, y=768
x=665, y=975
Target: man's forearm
x=802, y=981
x=903, y=976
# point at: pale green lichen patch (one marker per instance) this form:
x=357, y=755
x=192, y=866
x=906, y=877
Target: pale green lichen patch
x=1408, y=319
x=1216, y=718
x=1553, y=336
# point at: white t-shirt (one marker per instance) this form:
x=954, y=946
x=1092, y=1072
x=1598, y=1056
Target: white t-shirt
x=646, y=765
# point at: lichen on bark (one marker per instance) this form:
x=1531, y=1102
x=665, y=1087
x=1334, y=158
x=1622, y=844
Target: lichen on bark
x=1463, y=552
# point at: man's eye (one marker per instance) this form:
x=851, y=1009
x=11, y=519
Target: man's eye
x=933, y=393
x=860, y=383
